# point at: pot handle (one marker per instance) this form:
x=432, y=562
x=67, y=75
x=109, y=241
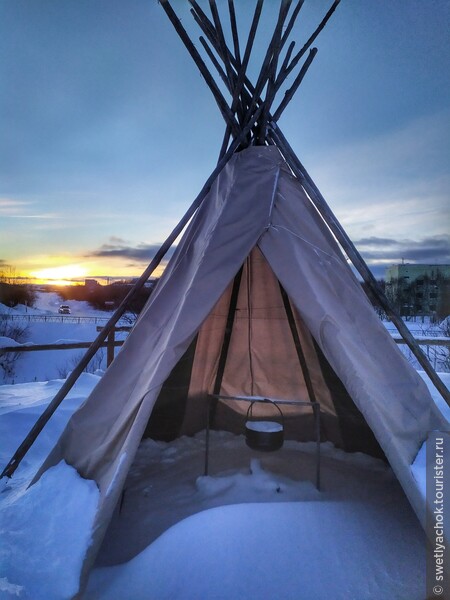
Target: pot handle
x=266, y=400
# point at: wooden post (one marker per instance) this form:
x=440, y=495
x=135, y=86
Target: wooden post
x=208, y=425
x=110, y=348
x=316, y=410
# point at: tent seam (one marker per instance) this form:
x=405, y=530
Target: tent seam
x=304, y=240
x=272, y=202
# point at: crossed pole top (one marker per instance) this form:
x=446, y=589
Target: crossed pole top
x=251, y=105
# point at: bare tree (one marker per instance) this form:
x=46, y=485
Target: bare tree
x=18, y=331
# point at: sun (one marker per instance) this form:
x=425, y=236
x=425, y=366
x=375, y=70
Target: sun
x=62, y=275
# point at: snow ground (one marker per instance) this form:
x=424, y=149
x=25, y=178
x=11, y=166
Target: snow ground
x=49, y=303
x=290, y=551
x=255, y=529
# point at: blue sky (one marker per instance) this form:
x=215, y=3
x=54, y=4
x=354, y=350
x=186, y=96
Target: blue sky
x=109, y=132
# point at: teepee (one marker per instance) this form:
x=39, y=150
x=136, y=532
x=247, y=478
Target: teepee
x=258, y=301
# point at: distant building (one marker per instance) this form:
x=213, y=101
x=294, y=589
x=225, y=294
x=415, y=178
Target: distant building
x=414, y=271
x=91, y=284
x=417, y=289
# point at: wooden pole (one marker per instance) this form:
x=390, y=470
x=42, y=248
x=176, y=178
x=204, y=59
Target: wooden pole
x=203, y=21
x=287, y=58
x=242, y=69
x=226, y=340
x=208, y=29
x=215, y=34
x=234, y=32
x=316, y=410
x=291, y=22
x=216, y=63
x=220, y=100
x=310, y=41
x=248, y=90
x=207, y=428
x=272, y=72
x=222, y=45
x=118, y=343
x=265, y=69
x=291, y=91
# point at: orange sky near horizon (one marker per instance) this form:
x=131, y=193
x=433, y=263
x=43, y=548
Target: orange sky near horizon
x=62, y=272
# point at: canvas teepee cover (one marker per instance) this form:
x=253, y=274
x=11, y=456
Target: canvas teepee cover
x=255, y=215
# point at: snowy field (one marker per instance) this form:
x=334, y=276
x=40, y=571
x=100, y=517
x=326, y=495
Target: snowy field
x=53, y=364
x=255, y=529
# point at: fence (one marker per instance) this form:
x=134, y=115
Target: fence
x=55, y=319
x=422, y=341
x=437, y=351
x=110, y=344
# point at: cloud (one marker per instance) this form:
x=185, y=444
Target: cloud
x=12, y=208
x=119, y=248
x=393, y=184
x=117, y=240
x=42, y=216
x=393, y=154
x=15, y=209
x=381, y=252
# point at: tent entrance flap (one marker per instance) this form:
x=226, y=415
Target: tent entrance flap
x=254, y=343
x=225, y=344
x=168, y=413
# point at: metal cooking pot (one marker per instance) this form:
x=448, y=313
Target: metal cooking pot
x=264, y=435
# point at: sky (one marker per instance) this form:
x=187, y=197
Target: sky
x=108, y=131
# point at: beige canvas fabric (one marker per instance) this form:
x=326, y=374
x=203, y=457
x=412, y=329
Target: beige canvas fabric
x=262, y=360
x=254, y=202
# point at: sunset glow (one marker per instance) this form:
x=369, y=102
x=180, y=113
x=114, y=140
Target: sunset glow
x=61, y=275
x=75, y=274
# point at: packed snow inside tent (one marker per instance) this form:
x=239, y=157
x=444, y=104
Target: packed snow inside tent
x=258, y=318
